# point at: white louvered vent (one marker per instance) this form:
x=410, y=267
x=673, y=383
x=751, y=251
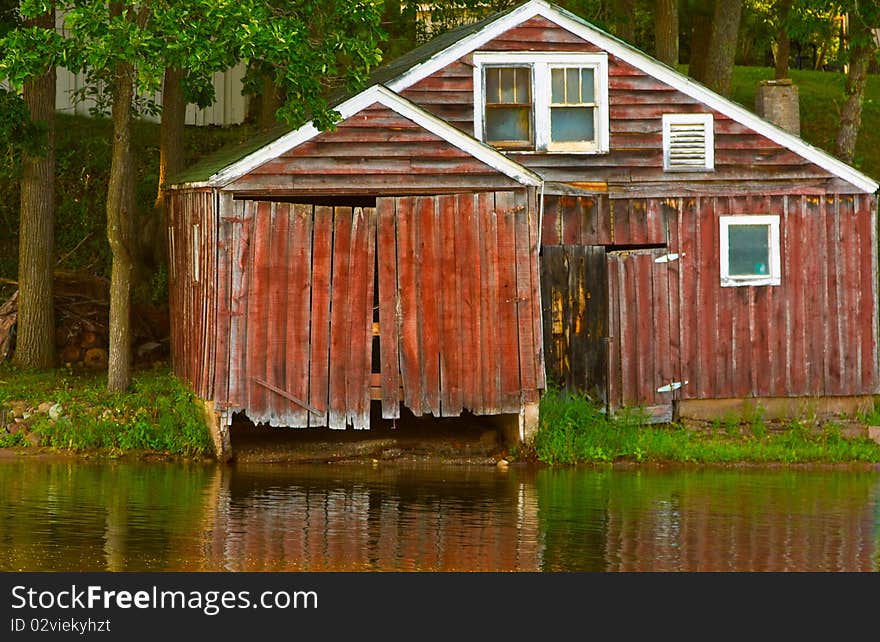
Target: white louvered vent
x=688, y=142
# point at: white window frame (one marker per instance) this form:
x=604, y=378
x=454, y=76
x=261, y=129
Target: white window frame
x=708, y=123
x=541, y=63
x=774, y=275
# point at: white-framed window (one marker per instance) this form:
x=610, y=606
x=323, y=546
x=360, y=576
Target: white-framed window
x=750, y=250
x=688, y=142
x=543, y=102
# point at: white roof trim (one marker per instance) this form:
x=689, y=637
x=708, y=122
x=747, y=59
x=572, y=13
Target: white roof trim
x=643, y=62
x=370, y=96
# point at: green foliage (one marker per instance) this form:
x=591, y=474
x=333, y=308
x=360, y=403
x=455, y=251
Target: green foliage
x=573, y=430
x=158, y=414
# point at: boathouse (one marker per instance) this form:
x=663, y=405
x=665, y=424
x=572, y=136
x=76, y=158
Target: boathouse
x=525, y=200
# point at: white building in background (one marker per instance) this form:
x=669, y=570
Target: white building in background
x=229, y=108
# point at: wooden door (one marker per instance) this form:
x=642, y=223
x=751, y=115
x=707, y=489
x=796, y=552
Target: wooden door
x=459, y=309
x=301, y=313
x=645, y=354
x=574, y=295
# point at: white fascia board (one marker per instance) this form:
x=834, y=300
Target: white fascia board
x=382, y=95
x=643, y=62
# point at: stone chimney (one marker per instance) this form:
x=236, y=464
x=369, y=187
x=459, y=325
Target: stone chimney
x=777, y=101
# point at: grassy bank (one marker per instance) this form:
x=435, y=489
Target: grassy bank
x=74, y=411
x=573, y=430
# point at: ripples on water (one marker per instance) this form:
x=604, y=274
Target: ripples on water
x=76, y=516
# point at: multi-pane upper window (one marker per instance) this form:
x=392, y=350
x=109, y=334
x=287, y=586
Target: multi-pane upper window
x=509, y=106
x=545, y=102
x=572, y=105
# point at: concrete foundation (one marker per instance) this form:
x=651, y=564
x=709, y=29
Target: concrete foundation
x=218, y=426
x=773, y=407
x=519, y=428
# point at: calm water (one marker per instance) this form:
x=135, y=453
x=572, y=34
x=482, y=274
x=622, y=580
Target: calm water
x=173, y=517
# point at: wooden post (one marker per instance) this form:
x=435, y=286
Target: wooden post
x=218, y=426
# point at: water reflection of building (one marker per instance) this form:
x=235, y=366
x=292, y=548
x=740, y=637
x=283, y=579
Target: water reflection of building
x=372, y=520
x=730, y=522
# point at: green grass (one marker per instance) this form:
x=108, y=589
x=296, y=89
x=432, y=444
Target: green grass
x=158, y=414
x=573, y=430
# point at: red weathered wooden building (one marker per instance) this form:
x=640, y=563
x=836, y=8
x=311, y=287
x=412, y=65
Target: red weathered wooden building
x=521, y=199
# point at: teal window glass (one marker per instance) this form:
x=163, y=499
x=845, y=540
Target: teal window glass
x=571, y=124
x=748, y=250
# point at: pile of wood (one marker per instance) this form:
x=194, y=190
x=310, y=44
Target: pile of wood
x=82, y=309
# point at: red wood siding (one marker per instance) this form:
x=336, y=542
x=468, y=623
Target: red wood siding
x=295, y=359
x=374, y=151
x=191, y=233
x=600, y=220
x=637, y=102
x=813, y=335
x=467, y=302
x=457, y=277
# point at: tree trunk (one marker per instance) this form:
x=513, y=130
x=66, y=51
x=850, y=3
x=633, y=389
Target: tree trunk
x=783, y=42
x=701, y=32
x=722, y=46
x=171, y=129
x=35, y=336
x=666, y=32
x=120, y=205
x=270, y=101
x=851, y=114
x=625, y=20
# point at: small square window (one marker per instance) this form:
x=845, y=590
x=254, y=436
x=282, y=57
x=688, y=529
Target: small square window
x=750, y=250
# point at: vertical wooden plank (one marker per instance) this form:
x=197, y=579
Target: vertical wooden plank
x=685, y=224
x=708, y=284
x=554, y=286
x=298, y=323
x=258, y=318
x=321, y=244
x=450, y=291
x=798, y=366
x=489, y=302
x=866, y=207
x=427, y=278
x=661, y=344
x=508, y=353
x=278, y=274
x=850, y=284
x=340, y=316
x=534, y=226
x=815, y=319
x=224, y=297
x=835, y=284
x=670, y=216
x=642, y=292
x=409, y=258
x=551, y=226
x=388, y=310
x=362, y=278
x=354, y=371
x=468, y=269
x=524, y=304
x=239, y=267
x=725, y=313
x=777, y=341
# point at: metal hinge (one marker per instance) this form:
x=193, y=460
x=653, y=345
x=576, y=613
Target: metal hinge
x=675, y=385
x=668, y=258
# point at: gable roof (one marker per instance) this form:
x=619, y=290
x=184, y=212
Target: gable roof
x=432, y=60
x=405, y=71
x=279, y=144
